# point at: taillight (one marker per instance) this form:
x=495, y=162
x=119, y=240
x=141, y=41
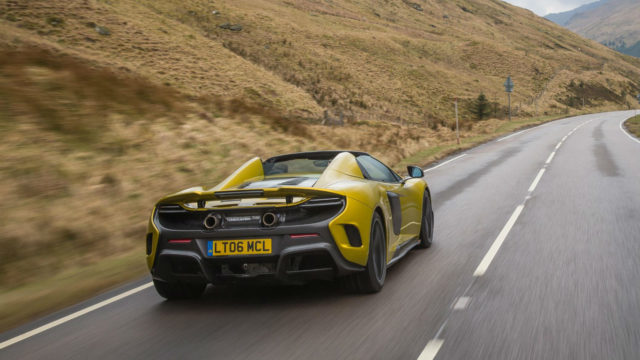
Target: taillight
x=179, y=241
x=302, y=236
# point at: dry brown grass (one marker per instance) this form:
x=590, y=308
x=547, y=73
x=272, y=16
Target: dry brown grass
x=87, y=152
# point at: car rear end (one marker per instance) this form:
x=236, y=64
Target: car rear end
x=273, y=235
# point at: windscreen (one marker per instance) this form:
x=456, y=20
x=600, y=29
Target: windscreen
x=296, y=166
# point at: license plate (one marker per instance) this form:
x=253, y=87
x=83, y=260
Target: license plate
x=239, y=247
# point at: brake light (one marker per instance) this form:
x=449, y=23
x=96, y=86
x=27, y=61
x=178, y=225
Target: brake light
x=179, y=241
x=301, y=236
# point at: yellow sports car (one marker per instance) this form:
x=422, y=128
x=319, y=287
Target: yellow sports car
x=291, y=218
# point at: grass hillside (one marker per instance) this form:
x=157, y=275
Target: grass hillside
x=106, y=105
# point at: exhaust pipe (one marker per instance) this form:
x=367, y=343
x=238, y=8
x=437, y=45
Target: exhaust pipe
x=269, y=219
x=212, y=221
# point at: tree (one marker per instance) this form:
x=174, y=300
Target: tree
x=480, y=107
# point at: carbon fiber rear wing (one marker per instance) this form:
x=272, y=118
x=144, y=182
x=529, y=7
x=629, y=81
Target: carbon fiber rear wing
x=288, y=193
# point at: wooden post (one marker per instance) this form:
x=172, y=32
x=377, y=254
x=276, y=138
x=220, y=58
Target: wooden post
x=457, y=129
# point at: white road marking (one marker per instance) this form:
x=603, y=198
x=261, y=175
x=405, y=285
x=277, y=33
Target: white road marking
x=627, y=133
x=431, y=350
x=461, y=303
x=550, y=157
x=493, y=250
x=514, y=134
x=70, y=317
x=536, y=180
x=445, y=163
x=433, y=346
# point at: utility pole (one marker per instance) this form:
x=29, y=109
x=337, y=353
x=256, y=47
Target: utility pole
x=458, y=130
x=508, y=87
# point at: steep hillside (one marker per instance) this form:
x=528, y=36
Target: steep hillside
x=388, y=60
x=613, y=23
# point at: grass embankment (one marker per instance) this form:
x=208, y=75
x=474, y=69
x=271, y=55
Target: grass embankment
x=76, y=283
x=633, y=125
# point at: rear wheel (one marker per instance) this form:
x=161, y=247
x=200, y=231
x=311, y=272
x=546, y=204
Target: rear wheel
x=177, y=290
x=426, y=229
x=372, y=278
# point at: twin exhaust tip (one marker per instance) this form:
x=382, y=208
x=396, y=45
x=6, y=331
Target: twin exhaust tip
x=269, y=219
x=213, y=221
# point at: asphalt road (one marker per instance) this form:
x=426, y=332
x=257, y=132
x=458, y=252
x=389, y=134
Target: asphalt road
x=526, y=264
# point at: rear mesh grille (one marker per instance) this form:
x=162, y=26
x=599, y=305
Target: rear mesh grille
x=312, y=211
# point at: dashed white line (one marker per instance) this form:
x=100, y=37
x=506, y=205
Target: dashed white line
x=70, y=317
x=431, y=350
x=627, y=133
x=493, y=250
x=461, y=303
x=550, y=157
x=514, y=134
x=433, y=346
x=536, y=180
x=445, y=163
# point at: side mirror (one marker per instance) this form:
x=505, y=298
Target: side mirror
x=415, y=172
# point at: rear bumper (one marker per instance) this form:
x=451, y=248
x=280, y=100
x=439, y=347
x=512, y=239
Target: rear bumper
x=293, y=259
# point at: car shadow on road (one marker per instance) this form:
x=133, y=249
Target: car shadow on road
x=275, y=296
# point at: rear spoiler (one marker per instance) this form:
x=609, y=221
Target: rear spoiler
x=196, y=196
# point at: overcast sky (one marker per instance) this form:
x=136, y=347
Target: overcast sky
x=544, y=7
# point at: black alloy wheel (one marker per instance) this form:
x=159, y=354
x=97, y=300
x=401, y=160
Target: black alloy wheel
x=371, y=280
x=426, y=228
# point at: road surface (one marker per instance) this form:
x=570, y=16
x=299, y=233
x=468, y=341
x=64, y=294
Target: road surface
x=536, y=256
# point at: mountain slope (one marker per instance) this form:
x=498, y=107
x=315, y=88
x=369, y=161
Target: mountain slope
x=610, y=22
x=387, y=60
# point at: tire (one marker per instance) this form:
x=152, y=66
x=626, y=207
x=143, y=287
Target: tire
x=371, y=280
x=179, y=291
x=426, y=228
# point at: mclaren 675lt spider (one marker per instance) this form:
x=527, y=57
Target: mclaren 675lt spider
x=292, y=218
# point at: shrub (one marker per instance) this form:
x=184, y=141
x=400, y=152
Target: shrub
x=480, y=107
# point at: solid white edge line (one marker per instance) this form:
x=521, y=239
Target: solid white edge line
x=536, y=180
x=514, y=134
x=70, y=317
x=445, y=163
x=493, y=250
x=626, y=132
x=550, y=157
x=431, y=350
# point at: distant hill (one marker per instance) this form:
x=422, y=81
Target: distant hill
x=564, y=18
x=614, y=23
